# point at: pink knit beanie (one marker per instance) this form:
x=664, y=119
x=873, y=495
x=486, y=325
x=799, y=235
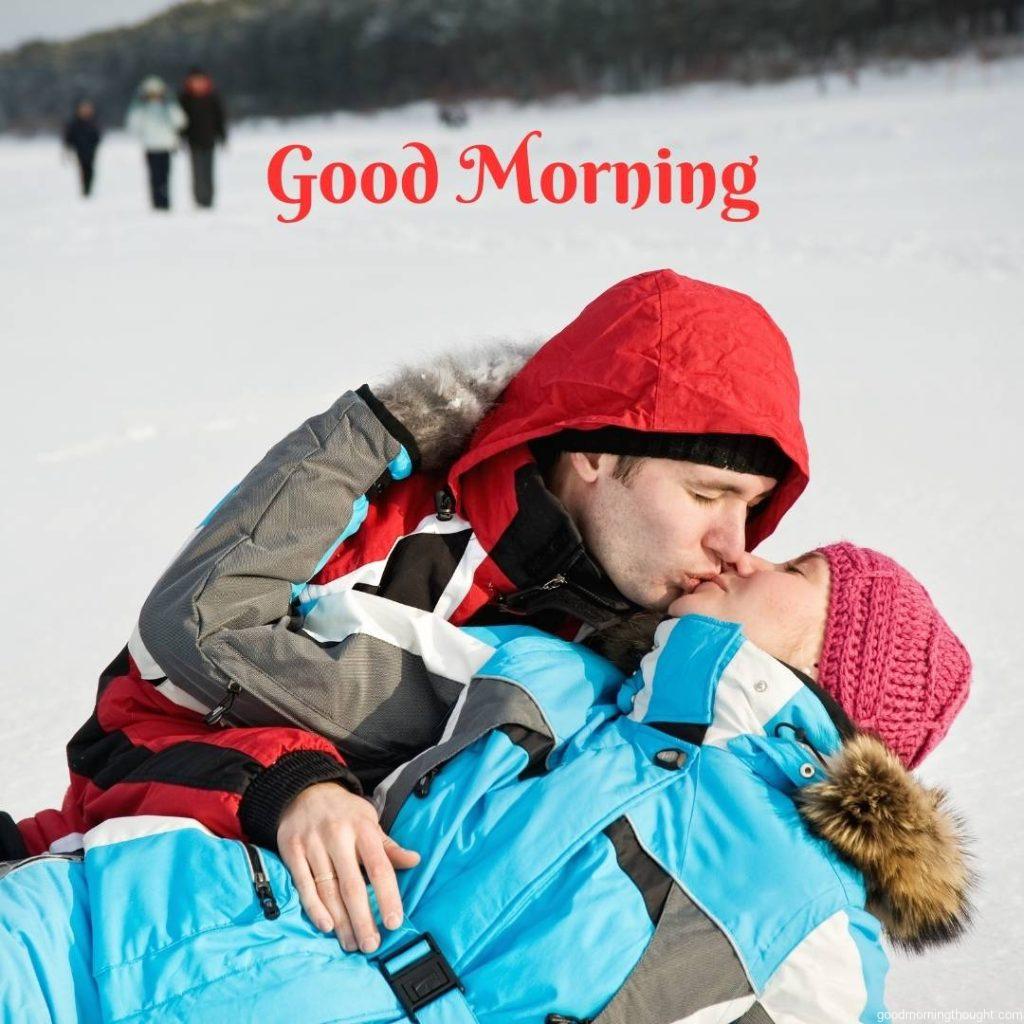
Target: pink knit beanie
x=889, y=658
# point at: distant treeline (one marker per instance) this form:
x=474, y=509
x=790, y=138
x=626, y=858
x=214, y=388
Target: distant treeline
x=290, y=57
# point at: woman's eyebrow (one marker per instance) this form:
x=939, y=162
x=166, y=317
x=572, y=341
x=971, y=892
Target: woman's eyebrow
x=809, y=556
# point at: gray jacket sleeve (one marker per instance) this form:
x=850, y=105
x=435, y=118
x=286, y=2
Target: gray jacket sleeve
x=222, y=612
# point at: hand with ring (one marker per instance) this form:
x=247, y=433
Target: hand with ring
x=327, y=837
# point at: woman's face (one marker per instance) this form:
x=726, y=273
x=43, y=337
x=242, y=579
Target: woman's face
x=781, y=607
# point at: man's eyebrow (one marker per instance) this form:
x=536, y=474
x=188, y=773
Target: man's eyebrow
x=713, y=485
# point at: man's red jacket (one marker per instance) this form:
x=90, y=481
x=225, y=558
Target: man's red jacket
x=409, y=509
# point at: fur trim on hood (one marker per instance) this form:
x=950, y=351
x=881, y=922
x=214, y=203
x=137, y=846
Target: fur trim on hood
x=903, y=838
x=910, y=847
x=441, y=402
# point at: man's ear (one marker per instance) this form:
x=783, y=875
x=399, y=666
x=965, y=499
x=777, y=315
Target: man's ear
x=588, y=465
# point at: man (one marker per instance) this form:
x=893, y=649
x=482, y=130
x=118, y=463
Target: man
x=666, y=419
x=206, y=128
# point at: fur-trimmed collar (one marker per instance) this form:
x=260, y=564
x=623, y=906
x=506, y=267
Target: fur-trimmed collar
x=441, y=402
x=900, y=834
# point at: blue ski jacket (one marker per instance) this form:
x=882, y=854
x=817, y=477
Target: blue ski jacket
x=681, y=845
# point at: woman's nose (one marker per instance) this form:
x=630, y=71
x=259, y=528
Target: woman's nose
x=747, y=564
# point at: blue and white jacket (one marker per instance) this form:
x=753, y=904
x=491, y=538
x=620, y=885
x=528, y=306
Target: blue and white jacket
x=704, y=841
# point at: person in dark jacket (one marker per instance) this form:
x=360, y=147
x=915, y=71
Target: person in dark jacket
x=206, y=127
x=82, y=137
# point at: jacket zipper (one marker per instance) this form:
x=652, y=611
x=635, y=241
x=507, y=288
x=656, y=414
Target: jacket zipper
x=512, y=600
x=234, y=689
x=260, y=882
x=560, y=580
x=558, y=1018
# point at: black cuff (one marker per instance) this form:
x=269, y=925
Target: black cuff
x=276, y=786
x=391, y=424
x=12, y=846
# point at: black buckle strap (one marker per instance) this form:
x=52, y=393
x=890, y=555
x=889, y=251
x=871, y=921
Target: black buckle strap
x=418, y=984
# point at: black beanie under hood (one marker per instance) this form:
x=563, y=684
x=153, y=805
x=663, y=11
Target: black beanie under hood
x=741, y=453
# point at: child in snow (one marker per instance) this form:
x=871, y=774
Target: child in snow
x=711, y=838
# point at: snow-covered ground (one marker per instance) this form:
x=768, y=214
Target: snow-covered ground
x=149, y=360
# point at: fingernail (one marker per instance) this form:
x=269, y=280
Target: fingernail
x=371, y=944
x=392, y=921
x=325, y=924
x=347, y=946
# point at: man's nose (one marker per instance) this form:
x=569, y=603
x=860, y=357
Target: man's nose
x=727, y=540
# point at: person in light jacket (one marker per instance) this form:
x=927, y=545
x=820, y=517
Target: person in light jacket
x=722, y=836
x=156, y=120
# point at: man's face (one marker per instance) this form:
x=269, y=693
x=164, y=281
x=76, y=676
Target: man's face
x=669, y=526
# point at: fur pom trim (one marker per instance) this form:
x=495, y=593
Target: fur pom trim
x=901, y=835
x=441, y=402
x=625, y=642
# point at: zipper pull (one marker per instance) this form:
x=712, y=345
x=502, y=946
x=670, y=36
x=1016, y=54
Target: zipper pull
x=234, y=689
x=260, y=882
x=558, y=1018
x=444, y=503
x=519, y=602
x=552, y=584
x=271, y=911
x=422, y=788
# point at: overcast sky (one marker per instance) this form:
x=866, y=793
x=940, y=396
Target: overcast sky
x=21, y=20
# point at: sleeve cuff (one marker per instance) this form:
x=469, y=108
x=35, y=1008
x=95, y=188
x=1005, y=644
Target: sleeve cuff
x=12, y=846
x=276, y=786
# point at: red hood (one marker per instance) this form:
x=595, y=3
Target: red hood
x=658, y=352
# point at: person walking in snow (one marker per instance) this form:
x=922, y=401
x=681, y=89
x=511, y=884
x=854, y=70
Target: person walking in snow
x=648, y=446
x=82, y=137
x=206, y=129
x=156, y=121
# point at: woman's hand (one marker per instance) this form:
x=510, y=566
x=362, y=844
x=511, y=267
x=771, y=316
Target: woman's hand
x=327, y=835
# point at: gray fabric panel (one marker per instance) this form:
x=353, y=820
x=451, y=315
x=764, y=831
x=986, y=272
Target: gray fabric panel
x=491, y=702
x=688, y=966
x=757, y=1014
x=376, y=701
x=222, y=610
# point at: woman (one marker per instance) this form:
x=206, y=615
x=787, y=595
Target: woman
x=156, y=121
x=708, y=839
